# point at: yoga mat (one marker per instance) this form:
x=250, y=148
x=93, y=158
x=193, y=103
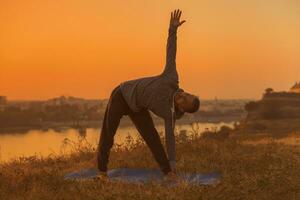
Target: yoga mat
x=145, y=175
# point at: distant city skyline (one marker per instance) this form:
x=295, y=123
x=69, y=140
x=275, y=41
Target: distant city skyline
x=231, y=49
x=294, y=89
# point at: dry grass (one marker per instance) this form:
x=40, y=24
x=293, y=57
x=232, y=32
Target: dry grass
x=266, y=171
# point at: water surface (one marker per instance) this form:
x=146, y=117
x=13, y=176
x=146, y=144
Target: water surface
x=44, y=143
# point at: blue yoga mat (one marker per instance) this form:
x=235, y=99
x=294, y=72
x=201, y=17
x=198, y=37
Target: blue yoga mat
x=145, y=175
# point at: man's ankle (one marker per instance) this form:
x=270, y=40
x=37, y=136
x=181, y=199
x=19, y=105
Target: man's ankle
x=102, y=175
x=102, y=172
x=166, y=170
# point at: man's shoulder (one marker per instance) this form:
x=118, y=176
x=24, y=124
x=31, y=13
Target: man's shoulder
x=132, y=81
x=171, y=75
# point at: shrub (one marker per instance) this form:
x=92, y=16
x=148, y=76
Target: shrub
x=222, y=134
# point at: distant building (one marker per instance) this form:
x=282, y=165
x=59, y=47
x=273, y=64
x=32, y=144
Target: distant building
x=3, y=100
x=79, y=102
x=65, y=100
x=295, y=88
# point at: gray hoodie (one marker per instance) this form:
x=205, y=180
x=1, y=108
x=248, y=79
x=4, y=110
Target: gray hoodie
x=156, y=94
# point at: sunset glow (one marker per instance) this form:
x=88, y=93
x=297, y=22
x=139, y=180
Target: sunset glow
x=226, y=49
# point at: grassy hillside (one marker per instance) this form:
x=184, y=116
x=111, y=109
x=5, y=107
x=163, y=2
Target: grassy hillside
x=263, y=171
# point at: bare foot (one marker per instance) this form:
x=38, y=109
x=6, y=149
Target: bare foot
x=102, y=176
x=171, y=176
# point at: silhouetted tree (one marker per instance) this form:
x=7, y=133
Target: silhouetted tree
x=269, y=90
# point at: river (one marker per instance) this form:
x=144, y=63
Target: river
x=45, y=143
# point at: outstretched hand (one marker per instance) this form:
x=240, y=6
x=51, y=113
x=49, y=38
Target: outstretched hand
x=175, y=18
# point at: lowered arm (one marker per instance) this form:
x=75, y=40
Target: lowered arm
x=170, y=140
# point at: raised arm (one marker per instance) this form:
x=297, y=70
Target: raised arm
x=171, y=43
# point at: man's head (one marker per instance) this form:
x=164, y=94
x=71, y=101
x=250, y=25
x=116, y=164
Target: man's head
x=186, y=102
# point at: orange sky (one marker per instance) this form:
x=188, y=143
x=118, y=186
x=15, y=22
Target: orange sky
x=227, y=48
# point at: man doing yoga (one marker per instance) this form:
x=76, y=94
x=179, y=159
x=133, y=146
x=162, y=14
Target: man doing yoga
x=159, y=94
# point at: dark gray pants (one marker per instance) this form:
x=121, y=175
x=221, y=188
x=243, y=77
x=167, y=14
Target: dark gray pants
x=115, y=110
